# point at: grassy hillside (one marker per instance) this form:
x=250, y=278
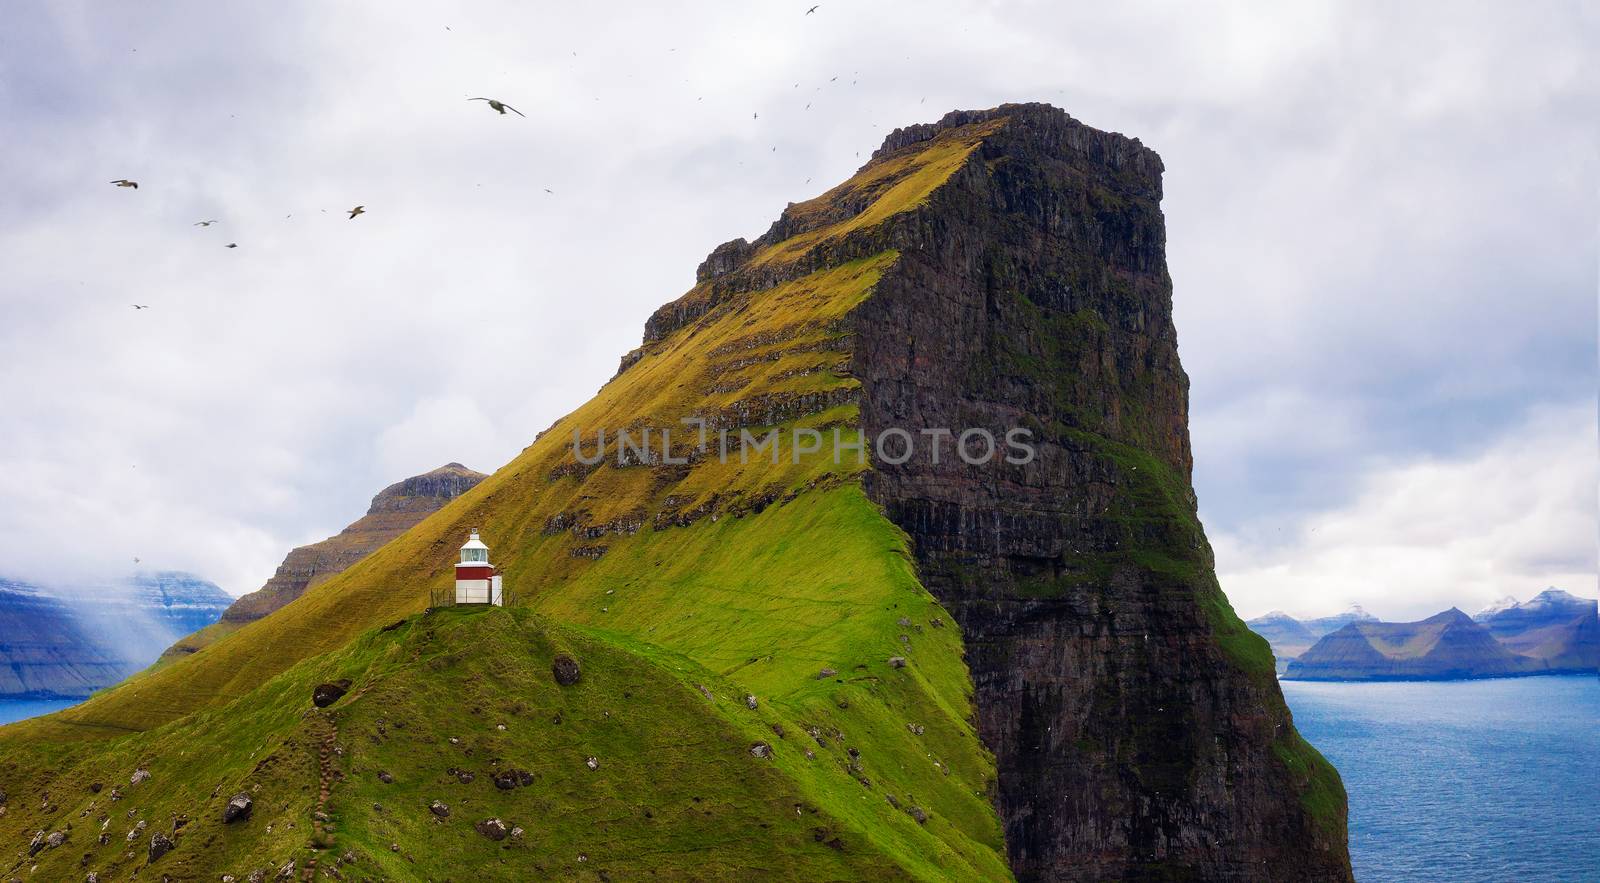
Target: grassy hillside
x=676, y=791
x=741, y=578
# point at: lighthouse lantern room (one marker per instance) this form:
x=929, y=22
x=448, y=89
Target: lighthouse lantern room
x=477, y=581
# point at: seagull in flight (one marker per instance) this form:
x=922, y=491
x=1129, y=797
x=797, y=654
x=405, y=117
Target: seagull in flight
x=204, y=223
x=358, y=210
x=496, y=104
x=124, y=182
x=140, y=306
x=813, y=9
x=231, y=245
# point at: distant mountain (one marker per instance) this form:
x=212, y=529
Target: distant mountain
x=1328, y=624
x=1505, y=603
x=45, y=652
x=1444, y=646
x=1291, y=637
x=1557, y=628
x=68, y=641
x=393, y=511
x=1288, y=636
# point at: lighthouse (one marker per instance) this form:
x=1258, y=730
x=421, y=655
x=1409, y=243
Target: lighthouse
x=476, y=579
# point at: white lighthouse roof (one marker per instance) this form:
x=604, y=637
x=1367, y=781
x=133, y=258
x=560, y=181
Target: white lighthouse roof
x=473, y=542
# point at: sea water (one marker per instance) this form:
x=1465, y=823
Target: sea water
x=1490, y=780
x=18, y=709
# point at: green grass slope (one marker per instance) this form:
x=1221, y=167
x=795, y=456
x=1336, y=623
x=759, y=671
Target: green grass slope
x=441, y=705
x=745, y=578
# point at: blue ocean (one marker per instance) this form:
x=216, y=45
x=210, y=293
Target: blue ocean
x=1493, y=780
x=17, y=709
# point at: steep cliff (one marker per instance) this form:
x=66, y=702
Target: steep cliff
x=1137, y=724
x=393, y=511
x=932, y=671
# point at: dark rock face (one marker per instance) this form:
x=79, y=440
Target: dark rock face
x=566, y=671
x=494, y=829
x=326, y=694
x=160, y=845
x=238, y=809
x=1138, y=728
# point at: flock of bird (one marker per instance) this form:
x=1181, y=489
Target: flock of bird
x=494, y=104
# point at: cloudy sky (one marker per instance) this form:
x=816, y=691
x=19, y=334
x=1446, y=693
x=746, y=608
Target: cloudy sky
x=1382, y=229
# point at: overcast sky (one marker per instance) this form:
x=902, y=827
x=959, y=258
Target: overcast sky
x=1382, y=226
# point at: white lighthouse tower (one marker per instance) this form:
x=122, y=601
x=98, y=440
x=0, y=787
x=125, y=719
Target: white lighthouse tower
x=477, y=582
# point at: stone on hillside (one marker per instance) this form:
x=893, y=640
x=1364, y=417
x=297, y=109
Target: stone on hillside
x=55, y=839
x=516, y=833
x=750, y=701
x=139, y=775
x=135, y=831
x=95, y=787
x=919, y=814
x=326, y=694
x=91, y=877
x=566, y=671
x=494, y=829
x=160, y=845
x=36, y=844
x=439, y=809
x=287, y=871
x=385, y=777
x=826, y=673
x=592, y=763
x=761, y=749
x=897, y=662
x=238, y=808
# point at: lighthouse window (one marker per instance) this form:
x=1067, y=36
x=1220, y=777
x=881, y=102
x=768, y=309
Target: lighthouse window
x=475, y=555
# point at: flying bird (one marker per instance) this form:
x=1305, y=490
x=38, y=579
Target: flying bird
x=548, y=190
x=496, y=104
x=140, y=306
x=231, y=245
x=204, y=223
x=124, y=182
x=813, y=9
x=358, y=210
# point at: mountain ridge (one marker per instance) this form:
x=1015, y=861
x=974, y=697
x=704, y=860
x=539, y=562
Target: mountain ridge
x=913, y=675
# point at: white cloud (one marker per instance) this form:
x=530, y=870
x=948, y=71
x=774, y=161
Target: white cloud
x=1380, y=222
x=1423, y=536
